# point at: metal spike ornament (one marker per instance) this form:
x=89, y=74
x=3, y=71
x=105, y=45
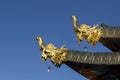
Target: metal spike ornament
x=49, y=68
x=85, y=47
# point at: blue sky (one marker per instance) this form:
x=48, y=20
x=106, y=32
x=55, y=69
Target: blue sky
x=22, y=20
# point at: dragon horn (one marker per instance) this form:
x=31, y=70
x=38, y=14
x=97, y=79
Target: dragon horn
x=41, y=43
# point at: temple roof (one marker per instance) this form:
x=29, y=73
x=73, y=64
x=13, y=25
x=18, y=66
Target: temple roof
x=93, y=65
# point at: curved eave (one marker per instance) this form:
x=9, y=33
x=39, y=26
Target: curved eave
x=111, y=37
x=97, y=58
x=93, y=68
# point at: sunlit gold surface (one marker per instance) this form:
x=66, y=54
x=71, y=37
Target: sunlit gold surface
x=56, y=55
x=90, y=34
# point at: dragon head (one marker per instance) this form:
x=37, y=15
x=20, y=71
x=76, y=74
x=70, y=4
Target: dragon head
x=56, y=55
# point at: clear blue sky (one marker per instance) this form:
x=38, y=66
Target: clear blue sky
x=22, y=20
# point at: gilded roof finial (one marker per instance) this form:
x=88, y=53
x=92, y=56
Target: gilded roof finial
x=56, y=55
x=90, y=34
